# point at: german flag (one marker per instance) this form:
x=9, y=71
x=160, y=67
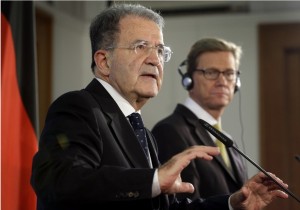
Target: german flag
x=18, y=104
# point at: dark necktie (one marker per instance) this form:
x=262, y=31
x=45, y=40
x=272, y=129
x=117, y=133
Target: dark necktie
x=138, y=127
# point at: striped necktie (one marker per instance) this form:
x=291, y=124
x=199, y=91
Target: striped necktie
x=222, y=147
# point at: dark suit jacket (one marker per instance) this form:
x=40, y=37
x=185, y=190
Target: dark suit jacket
x=181, y=130
x=89, y=158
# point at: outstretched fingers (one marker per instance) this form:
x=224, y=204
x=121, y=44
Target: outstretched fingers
x=169, y=173
x=258, y=192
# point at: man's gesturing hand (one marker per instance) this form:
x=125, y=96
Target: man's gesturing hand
x=257, y=193
x=169, y=173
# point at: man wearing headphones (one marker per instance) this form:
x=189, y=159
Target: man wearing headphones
x=211, y=79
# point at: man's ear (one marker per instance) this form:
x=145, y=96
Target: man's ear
x=102, y=63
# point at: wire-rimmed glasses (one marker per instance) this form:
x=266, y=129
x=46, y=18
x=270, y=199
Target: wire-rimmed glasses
x=142, y=47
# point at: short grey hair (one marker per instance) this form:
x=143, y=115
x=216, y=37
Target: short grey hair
x=104, y=28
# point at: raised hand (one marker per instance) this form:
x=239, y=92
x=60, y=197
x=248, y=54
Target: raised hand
x=169, y=173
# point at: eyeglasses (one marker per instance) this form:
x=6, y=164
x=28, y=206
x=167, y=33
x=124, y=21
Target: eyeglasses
x=144, y=48
x=213, y=74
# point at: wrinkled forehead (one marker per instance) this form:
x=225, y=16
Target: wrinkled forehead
x=134, y=28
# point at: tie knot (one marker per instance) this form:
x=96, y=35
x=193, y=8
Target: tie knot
x=217, y=126
x=136, y=121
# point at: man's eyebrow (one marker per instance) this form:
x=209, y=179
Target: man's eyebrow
x=140, y=41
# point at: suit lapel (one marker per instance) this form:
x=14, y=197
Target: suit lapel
x=119, y=125
x=202, y=135
x=208, y=141
x=128, y=141
x=152, y=149
x=238, y=166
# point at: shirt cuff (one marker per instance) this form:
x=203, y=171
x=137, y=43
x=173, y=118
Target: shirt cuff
x=155, y=185
x=229, y=205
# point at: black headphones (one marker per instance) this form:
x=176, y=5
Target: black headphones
x=187, y=81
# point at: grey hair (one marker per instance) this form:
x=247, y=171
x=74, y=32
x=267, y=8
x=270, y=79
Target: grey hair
x=104, y=28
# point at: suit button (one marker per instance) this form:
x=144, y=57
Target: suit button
x=130, y=194
x=133, y=194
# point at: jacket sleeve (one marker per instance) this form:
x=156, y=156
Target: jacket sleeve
x=219, y=202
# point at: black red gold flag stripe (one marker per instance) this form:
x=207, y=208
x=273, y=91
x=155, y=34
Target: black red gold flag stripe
x=18, y=104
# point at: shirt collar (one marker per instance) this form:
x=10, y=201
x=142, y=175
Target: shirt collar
x=199, y=111
x=123, y=104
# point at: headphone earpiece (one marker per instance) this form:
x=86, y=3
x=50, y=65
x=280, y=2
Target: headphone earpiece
x=186, y=79
x=237, y=84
